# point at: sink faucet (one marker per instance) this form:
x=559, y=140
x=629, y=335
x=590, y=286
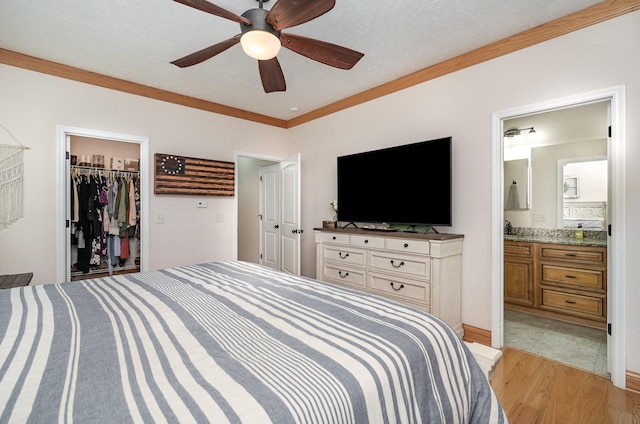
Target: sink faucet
x=508, y=228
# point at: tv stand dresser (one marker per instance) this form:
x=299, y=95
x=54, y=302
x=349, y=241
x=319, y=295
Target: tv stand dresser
x=421, y=270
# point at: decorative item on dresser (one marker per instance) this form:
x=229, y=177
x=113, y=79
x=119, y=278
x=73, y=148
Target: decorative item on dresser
x=562, y=281
x=421, y=270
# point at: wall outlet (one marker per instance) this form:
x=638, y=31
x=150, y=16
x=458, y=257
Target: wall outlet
x=537, y=217
x=219, y=217
x=160, y=218
x=202, y=204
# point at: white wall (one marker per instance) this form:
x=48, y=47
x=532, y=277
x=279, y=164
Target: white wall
x=188, y=235
x=458, y=105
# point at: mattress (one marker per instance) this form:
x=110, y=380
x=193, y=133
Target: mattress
x=230, y=342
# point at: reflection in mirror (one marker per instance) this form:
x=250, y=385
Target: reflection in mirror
x=547, y=178
x=516, y=184
x=583, y=184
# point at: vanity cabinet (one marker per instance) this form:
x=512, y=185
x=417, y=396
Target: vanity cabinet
x=421, y=270
x=573, y=280
x=562, y=281
x=519, y=272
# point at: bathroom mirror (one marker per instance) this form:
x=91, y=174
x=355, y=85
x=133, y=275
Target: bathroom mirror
x=516, y=184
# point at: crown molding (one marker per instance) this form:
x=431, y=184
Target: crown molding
x=598, y=13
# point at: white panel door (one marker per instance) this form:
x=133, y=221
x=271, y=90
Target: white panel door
x=290, y=222
x=270, y=213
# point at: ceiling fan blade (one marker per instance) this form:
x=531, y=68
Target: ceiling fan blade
x=288, y=13
x=205, y=6
x=207, y=53
x=271, y=75
x=321, y=51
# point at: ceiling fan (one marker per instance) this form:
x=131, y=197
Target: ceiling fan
x=261, y=38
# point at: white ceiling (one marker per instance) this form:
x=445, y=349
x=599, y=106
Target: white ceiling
x=136, y=40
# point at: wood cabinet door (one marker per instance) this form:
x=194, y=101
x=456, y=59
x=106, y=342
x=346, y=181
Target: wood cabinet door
x=518, y=281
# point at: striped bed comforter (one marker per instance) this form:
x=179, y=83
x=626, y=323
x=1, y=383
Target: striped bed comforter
x=229, y=342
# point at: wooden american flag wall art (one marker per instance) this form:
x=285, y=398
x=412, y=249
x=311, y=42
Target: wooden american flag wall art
x=185, y=175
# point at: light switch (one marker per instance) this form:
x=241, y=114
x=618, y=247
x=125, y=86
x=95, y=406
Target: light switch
x=160, y=218
x=202, y=204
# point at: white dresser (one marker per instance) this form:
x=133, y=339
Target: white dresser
x=421, y=270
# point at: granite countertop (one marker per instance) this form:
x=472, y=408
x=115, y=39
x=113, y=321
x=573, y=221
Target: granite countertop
x=538, y=238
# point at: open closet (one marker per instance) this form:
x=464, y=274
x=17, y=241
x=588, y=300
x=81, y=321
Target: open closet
x=104, y=207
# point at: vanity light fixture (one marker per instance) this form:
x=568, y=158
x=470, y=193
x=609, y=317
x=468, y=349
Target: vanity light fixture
x=514, y=132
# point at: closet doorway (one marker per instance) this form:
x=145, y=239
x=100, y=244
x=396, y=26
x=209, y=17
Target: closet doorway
x=103, y=204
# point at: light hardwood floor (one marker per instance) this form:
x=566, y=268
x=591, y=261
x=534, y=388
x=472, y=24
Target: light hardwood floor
x=533, y=389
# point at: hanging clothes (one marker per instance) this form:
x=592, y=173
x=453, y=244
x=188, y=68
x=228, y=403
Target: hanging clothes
x=83, y=227
x=105, y=215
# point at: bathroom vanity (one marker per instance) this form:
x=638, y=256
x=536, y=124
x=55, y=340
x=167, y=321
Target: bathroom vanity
x=562, y=278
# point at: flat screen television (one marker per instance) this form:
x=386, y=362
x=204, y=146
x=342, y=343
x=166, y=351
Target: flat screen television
x=408, y=184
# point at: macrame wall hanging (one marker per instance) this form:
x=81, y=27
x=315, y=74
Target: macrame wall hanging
x=11, y=182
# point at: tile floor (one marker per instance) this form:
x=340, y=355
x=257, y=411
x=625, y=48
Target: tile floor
x=572, y=344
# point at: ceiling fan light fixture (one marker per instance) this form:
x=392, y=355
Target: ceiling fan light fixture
x=260, y=45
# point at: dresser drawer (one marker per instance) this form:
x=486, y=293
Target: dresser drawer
x=351, y=277
x=595, y=256
x=593, y=279
x=576, y=304
x=409, y=246
x=410, y=266
x=332, y=238
x=405, y=289
x=367, y=241
x=344, y=255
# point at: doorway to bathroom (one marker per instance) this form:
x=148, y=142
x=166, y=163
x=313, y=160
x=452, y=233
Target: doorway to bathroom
x=559, y=162
x=612, y=100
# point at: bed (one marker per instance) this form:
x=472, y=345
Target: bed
x=230, y=342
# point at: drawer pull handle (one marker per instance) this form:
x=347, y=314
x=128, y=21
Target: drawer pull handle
x=570, y=254
x=406, y=245
x=571, y=276
x=346, y=274
x=571, y=302
x=366, y=241
x=396, y=266
x=397, y=289
x=343, y=257
x=333, y=238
